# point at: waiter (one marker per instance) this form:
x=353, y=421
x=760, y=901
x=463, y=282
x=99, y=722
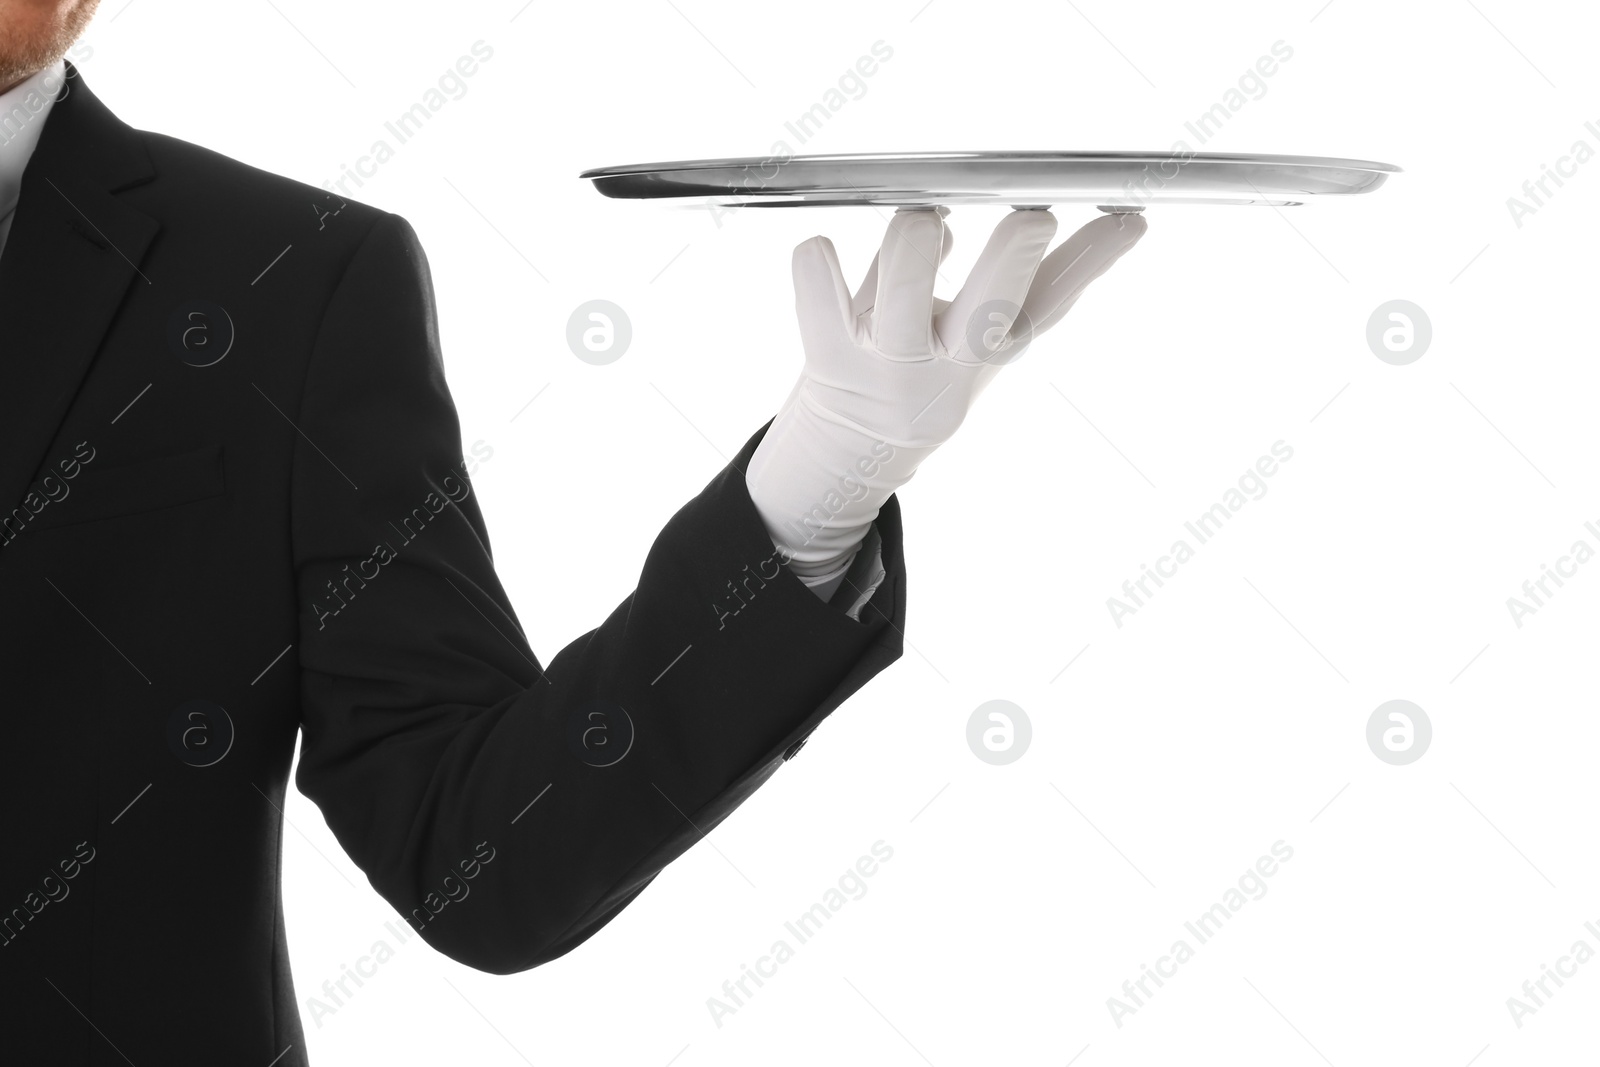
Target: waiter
x=236, y=510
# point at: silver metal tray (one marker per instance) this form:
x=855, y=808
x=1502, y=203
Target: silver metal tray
x=1116, y=181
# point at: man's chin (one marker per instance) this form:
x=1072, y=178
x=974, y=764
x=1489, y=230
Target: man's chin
x=34, y=35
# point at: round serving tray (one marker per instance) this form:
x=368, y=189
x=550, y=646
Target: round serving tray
x=1117, y=181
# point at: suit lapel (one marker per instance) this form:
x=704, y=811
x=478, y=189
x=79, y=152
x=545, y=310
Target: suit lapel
x=74, y=251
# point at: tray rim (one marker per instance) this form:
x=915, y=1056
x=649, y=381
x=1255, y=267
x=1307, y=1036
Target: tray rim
x=1032, y=156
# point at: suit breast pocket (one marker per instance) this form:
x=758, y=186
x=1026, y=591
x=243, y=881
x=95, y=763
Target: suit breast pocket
x=136, y=488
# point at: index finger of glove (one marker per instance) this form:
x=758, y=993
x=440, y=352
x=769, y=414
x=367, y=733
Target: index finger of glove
x=908, y=263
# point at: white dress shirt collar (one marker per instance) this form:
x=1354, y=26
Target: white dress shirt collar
x=23, y=110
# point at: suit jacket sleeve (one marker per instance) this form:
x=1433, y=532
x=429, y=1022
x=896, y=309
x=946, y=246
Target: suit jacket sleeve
x=480, y=791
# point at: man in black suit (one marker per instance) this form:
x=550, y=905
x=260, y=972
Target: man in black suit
x=237, y=509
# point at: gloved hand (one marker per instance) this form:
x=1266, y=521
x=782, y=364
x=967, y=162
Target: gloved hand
x=891, y=373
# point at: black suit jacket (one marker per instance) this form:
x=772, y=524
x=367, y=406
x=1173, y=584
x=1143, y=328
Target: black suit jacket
x=181, y=519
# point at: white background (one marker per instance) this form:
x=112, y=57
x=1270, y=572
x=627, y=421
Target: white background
x=1226, y=715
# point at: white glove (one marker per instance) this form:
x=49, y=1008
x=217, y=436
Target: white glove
x=890, y=374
